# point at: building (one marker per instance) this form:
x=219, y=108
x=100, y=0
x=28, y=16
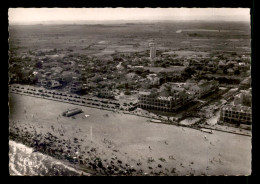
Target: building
x=152, y=51
x=131, y=76
x=166, y=99
x=236, y=114
x=221, y=64
x=177, y=76
x=105, y=93
x=204, y=87
x=43, y=82
x=244, y=98
x=211, y=65
x=154, y=80
x=246, y=83
x=230, y=71
x=77, y=86
x=120, y=66
x=53, y=84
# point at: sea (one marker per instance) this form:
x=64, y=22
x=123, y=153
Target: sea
x=24, y=161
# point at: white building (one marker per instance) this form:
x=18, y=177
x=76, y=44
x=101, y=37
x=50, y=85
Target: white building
x=153, y=79
x=53, y=84
x=152, y=51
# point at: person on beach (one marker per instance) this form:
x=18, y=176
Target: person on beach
x=205, y=137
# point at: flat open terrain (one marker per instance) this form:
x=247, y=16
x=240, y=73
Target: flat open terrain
x=186, y=151
x=202, y=37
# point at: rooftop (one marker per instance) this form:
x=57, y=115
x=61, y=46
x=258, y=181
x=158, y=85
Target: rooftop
x=237, y=108
x=168, y=69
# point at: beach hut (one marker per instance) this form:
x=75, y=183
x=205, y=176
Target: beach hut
x=72, y=112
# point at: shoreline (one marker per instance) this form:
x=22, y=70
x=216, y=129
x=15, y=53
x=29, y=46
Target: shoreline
x=45, y=145
x=46, y=165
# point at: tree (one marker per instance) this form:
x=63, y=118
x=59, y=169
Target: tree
x=188, y=72
x=236, y=72
x=127, y=92
x=247, y=101
x=97, y=79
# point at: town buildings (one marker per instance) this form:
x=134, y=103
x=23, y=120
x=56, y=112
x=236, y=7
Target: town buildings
x=104, y=93
x=154, y=80
x=53, y=84
x=236, y=114
x=244, y=98
x=76, y=86
x=246, y=83
x=165, y=99
x=173, y=96
x=204, y=87
x=240, y=112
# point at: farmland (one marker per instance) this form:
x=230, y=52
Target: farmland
x=107, y=39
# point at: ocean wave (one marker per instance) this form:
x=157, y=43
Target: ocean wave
x=24, y=161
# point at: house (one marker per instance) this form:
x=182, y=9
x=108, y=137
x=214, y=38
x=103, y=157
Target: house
x=176, y=76
x=43, y=82
x=75, y=86
x=230, y=71
x=204, y=87
x=56, y=69
x=53, y=84
x=186, y=63
x=211, y=65
x=47, y=73
x=221, y=64
x=246, y=83
x=120, y=66
x=243, y=66
x=105, y=93
x=154, y=80
x=231, y=63
x=196, y=90
x=131, y=76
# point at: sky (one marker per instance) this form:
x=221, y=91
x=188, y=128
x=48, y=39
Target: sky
x=32, y=15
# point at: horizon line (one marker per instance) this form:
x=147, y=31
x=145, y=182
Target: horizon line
x=116, y=21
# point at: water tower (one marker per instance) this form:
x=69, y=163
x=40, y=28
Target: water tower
x=152, y=51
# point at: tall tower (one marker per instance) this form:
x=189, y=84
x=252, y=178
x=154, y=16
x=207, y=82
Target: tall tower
x=152, y=51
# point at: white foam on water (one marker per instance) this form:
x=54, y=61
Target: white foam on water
x=23, y=161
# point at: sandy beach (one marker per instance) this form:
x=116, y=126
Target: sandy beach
x=112, y=143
